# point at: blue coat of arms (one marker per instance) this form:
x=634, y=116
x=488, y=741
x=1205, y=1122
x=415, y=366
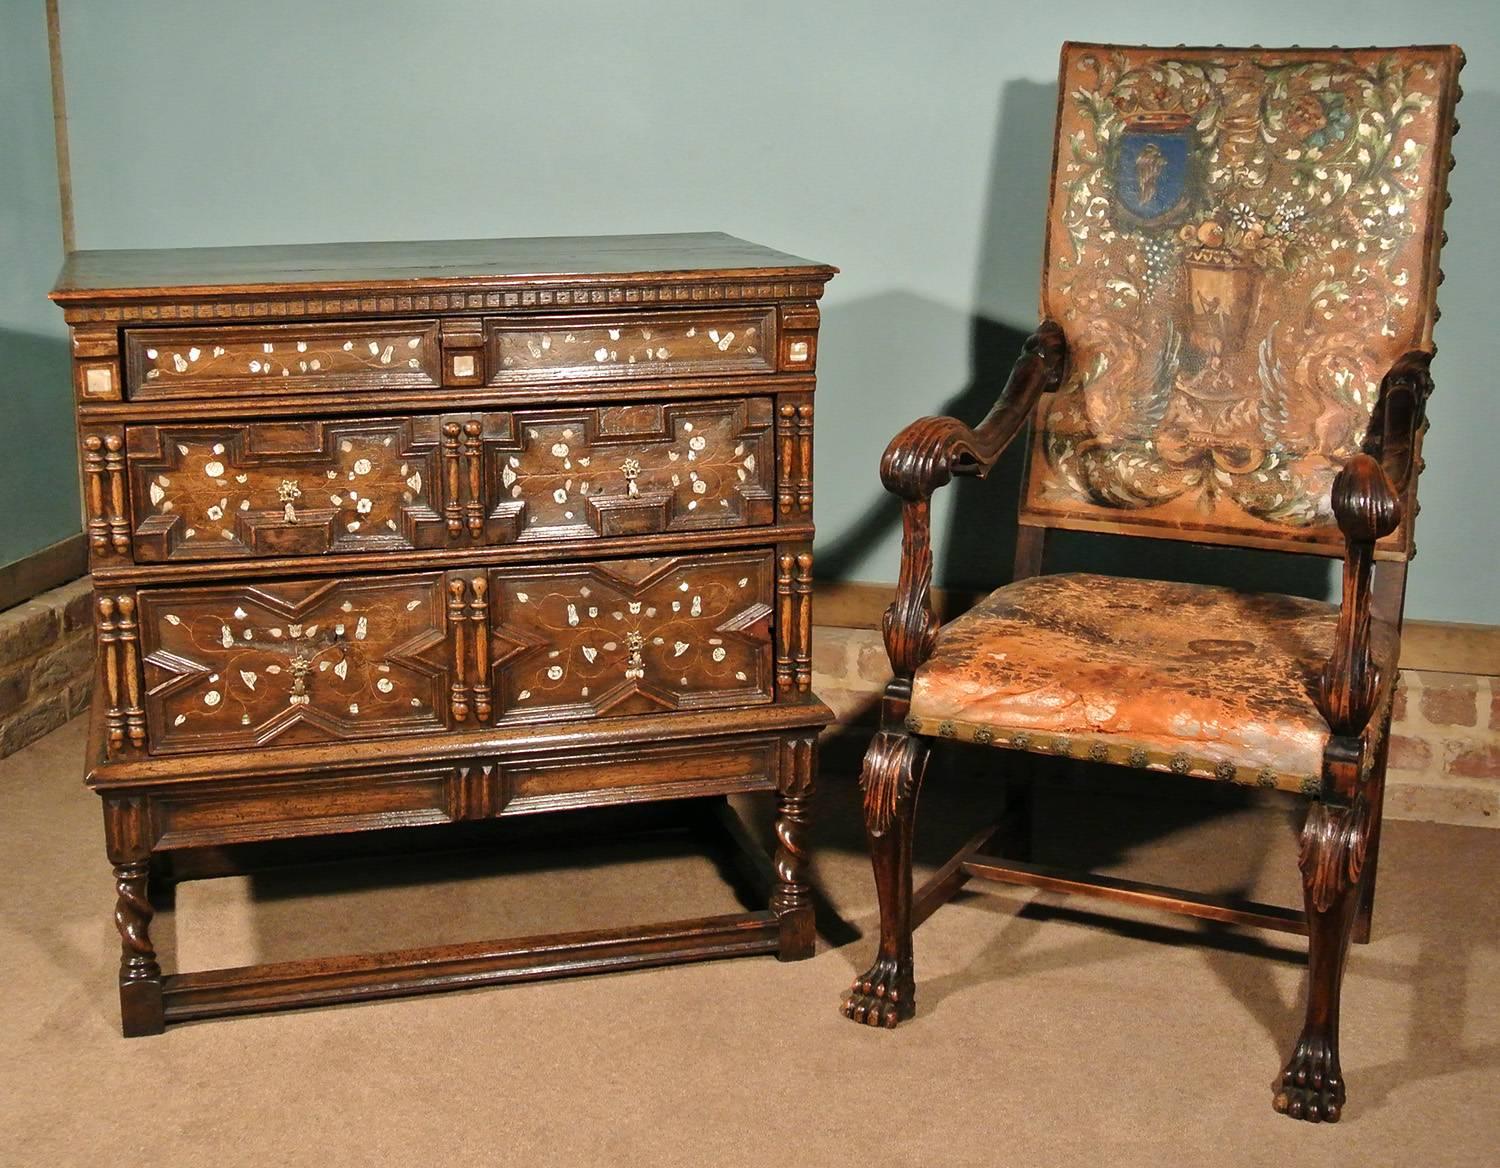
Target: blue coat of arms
x=1151, y=170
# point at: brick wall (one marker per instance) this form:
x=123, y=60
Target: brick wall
x=46, y=663
x=1445, y=735
x=1445, y=748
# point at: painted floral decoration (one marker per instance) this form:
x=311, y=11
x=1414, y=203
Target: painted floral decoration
x=1237, y=250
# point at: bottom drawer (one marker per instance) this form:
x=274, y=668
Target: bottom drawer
x=281, y=808
x=631, y=636
x=414, y=795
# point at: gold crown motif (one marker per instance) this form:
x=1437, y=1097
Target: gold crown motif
x=1149, y=102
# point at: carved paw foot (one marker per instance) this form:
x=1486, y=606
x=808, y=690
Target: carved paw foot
x=882, y=996
x=1311, y=1086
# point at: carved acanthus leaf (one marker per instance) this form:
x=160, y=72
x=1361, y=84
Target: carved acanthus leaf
x=1332, y=851
x=892, y=770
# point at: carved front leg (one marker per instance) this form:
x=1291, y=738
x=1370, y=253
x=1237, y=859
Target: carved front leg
x=128, y=843
x=895, y=763
x=140, y=975
x=1334, y=843
x=791, y=900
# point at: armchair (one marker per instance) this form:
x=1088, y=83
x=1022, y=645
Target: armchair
x=1237, y=302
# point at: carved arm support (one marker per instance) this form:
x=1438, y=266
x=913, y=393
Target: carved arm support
x=924, y=457
x=1367, y=503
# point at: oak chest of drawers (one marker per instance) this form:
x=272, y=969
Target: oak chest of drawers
x=387, y=535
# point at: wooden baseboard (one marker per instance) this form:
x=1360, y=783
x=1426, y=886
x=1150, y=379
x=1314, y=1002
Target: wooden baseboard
x=1441, y=646
x=1450, y=647
x=48, y=568
x=852, y=604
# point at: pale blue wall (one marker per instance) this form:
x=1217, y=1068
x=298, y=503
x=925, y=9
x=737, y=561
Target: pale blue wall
x=38, y=482
x=907, y=143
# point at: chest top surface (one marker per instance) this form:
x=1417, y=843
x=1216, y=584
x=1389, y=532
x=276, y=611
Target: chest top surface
x=123, y=275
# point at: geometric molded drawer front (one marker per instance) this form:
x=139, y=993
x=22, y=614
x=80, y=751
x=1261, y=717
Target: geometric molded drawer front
x=631, y=636
x=283, y=488
x=662, y=344
x=631, y=470
x=266, y=359
x=234, y=490
x=238, y=666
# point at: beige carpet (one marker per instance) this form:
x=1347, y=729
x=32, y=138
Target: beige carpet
x=1049, y=1034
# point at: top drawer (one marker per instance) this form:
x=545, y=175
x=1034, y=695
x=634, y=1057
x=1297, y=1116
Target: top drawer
x=209, y=360
x=212, y=360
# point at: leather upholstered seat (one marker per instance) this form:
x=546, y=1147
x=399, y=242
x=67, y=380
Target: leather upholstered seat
x=1181, y=677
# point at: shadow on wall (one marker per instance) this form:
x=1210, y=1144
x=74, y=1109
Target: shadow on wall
x=976, y=550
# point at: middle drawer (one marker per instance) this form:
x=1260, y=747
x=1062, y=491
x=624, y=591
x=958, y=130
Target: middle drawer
x=256, y=489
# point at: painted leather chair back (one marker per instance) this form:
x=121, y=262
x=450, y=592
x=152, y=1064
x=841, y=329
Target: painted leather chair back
x=1239, y=245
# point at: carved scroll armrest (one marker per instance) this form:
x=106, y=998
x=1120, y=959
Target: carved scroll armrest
x=924, y=457
x=927, y=454
x=1367, y=503
x=1398, y=418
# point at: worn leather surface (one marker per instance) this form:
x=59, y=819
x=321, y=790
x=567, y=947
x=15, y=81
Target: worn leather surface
x=1240, y=245
x=1181, y=677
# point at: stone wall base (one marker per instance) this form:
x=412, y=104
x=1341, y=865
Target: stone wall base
x=46, y=663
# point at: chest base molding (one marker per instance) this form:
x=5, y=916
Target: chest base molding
x=165, y=823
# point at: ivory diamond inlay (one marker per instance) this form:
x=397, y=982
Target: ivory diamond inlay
x=241, y=666
x=630, y=636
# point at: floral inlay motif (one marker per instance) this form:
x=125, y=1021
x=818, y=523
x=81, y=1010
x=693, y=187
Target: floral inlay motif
x=289, y=492
x=632, y=635
x=161, y=358
x=648, y=346
x=631, y=470
x=299, y=662
x=1237, y=253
